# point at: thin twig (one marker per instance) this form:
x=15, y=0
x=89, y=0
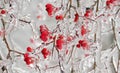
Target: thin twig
x=114, y=32
x=78, y=4
x=5, y=40
x=25, y=21
x=97, y=7
x=71, y=54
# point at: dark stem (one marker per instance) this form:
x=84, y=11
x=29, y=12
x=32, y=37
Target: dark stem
x=71, y=54
x=97, y=6
x=78, y=4
x=5, y=40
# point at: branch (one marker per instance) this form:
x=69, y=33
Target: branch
x=78, y=4
x=71, y=54
x=115, y=38
x=5, y=40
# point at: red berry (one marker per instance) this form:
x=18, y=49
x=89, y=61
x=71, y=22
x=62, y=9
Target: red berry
x=49, y=5
x=28, y=60
x=86, y=14
x=29, y=49
x=83, y=44
x=111, y=1
x=59, y=17
x=80, y=41
x=45, y=33
x=49, y=9
x=43, y=28
x=59, y=43
x=59, y=46
x=61, y=37
x=45, y=52
x=78, y=45
x=3, y=11
x=83, y=30
x=43, y=38
x=51, y=37
x=26, y=55
x=76, y=17
x=108, y=4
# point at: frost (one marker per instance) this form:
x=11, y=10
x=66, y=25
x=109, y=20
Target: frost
x=20, y=24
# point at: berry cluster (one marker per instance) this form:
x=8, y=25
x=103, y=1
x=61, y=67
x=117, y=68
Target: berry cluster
x=83, y=44
x=50, y=9
x=44, y=33
x=59, y=17
x=60, y=42
x=27, y=58
x=45, y=52
x=109, y=2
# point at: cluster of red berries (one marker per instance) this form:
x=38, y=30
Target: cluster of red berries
x=109, y=2
x=45, y=52
x=60, y=42
x=44, y=33
x=76, y=17
x=29, y=60
x=50, y=9
x=59, y=17
x=83, y=44
x=83, y=30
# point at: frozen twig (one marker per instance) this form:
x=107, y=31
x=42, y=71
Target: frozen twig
x=71, y=53
x=114, y=32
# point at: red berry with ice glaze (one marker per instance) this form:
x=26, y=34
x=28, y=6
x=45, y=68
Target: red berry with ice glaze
x=83, y=30
x=78, y=45
x=76, y=17
x=59, y=17
x=29, y=49
x=43, y=28
x=83, y=44
x=3, y=11
x=87, y=13
x=26, y=55
x=109, y=2
x=43, y=38
x=49, y=9
x=28, y=60
x=44, y=33
x=45, y=52
x=59, y=43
